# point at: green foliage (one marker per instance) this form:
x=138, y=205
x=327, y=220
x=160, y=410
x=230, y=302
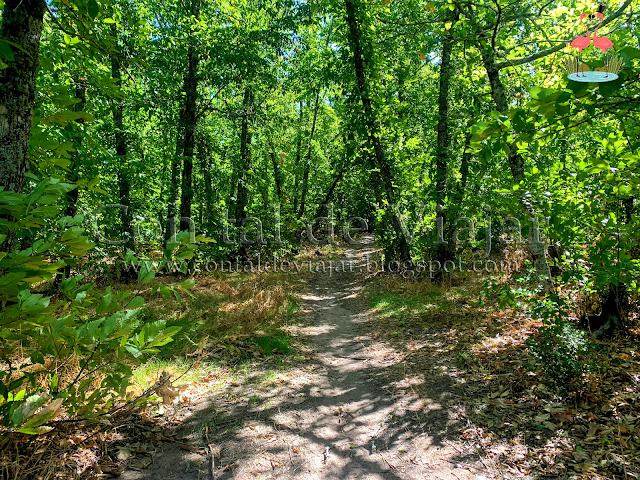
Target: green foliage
x=270, y=343
x=66, y=352
x=561, y=351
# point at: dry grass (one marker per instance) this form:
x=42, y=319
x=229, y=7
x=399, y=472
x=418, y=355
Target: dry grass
x=227, y=309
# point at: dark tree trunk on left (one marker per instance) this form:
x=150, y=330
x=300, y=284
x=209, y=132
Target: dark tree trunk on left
x=21, y=25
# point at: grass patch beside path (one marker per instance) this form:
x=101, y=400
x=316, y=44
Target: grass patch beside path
x=229, y=322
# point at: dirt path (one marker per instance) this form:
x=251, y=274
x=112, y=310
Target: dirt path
x=332, y=418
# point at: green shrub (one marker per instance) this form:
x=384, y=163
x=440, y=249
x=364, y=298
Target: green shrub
x=561, y=351
x=66, y=352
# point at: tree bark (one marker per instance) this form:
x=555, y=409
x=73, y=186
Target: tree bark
x=242, y=198
x=120, y=139
x=445, y=251
x=190, y=120
x=297, y=161
x=22, y=22
x=373, y=130
x=307, y=160
x=80, y=89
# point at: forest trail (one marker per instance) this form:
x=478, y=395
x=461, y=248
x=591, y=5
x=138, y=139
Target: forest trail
x=332, y=419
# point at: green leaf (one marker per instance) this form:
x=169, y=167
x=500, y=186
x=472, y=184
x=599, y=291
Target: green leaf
x=5, y=51
x=93, y=9
x=520, y=121
x=37, y=357
x=145, y=278
x=607, y=89
x=630, y=52
x=540, y=93
x=187, y=284
x=65, y=116
x=57, y=328
x=136, y=302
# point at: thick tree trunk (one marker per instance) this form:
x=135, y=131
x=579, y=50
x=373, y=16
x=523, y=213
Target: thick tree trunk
x=516, y=164
x=373, y=130
x=190, y=120
x=445, y=251
x=22, y=22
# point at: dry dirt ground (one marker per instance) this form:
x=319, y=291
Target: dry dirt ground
x=338, y=415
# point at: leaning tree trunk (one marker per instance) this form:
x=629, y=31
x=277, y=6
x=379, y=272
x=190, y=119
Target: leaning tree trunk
x=371, y=123
x=22, y=22
x=516, y=164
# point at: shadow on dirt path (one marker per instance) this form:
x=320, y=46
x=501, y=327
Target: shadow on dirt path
x=331, y=418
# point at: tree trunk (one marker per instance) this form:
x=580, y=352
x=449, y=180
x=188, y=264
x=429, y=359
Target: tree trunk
x=277, y=174
x=189, y=125
x=242, y=198
x=373, y=130
x=333, y=186
x=516, y=164
x=185, y=142
x=120, y=138
x=76, y=138
x=307, y=160
x=297, y=161
x=445, y=251
x=22, y=22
